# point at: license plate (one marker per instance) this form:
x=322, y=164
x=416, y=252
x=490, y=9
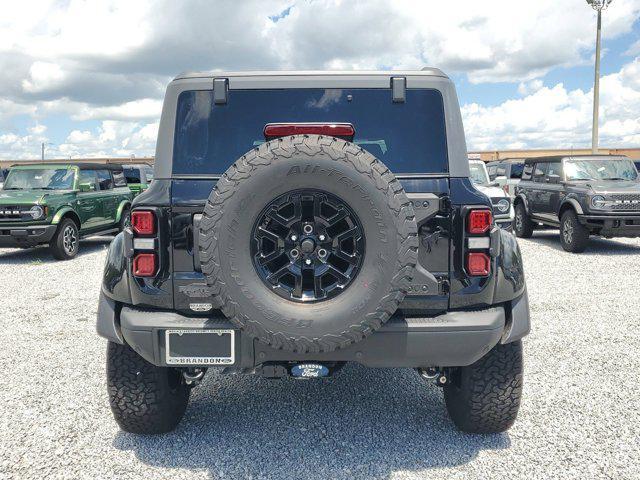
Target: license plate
x=199, y=347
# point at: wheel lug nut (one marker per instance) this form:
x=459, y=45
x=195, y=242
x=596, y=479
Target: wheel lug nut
x=294, y=238
x=308, y=261
x=295, y=253
x=307, y=229
x=322, y=253
x=322, y=238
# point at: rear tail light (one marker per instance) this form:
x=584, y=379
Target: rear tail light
x=479, y=221
x=143, y=222
x=145, y=258
x=144, y=265
x=505, y=189
x=477, y=259
x=275, y=130
x=478, y=264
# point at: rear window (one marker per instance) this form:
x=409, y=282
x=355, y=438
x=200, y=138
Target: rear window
x=516, y=170
x=408, y=137
x=132, y=174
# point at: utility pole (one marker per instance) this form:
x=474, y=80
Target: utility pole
x=598, y=6
x=42, y=146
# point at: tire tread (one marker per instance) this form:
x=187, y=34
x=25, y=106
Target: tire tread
x=372, y=170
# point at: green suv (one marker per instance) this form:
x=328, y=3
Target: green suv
x=57, y=204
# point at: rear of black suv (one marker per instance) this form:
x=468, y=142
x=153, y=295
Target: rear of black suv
x=299, y=221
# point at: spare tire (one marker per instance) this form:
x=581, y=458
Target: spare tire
x=308, y=243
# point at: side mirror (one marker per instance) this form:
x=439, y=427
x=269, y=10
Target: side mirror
x=87, y=187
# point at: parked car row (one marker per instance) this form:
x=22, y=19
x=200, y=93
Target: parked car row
x=57, y=203
x=582, y=195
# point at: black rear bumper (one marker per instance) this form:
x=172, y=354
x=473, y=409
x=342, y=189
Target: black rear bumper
x=28, y=236
x=612, y=225
x=456, y=338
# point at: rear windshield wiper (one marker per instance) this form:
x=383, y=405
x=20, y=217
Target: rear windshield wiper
x=12, y=188
x=615, y=178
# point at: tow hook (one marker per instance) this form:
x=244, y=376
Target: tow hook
x=438, y=375
x=193, y=376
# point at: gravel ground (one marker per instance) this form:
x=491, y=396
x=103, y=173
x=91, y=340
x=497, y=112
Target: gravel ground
x=579, y=417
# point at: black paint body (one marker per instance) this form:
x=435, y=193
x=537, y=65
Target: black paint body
x=442, y=239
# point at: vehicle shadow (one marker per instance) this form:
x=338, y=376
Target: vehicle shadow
x=597, y=245
x=42, y=254
x=364, y=422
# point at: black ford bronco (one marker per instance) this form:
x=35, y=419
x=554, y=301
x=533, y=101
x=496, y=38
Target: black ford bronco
x=299, y=221
x=583, y=195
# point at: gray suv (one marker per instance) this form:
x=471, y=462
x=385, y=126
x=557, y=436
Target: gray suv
x=583, y=195
x=301, y=221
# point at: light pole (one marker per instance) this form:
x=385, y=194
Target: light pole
x=43, y=144
x=598, y=6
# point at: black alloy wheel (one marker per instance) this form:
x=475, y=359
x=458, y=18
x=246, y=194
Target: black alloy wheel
x=307, y=245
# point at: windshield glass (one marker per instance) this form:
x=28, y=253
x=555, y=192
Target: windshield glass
x=40, y=179
x=478, y=173
x=601, y=169
x=409, y=137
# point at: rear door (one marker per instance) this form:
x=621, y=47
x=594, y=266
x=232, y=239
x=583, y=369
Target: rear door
x=550, y=191
x=108, y=197
x=537, y=205
x=89, y=204
x=514, y=174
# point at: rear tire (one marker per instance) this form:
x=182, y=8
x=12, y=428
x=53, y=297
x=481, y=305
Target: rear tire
x=65, y=243
x=144, y=399
x=485, y=397
x=574, y=237
x=522, y=224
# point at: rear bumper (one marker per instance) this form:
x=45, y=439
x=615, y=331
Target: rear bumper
x=455, y=338
x=612, y=225
x=28, y=236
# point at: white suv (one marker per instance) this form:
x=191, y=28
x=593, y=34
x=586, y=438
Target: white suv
x=501, y=201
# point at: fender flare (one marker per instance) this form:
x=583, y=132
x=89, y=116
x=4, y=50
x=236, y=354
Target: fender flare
x=522, y=199
x=62, y=212
x=121, y=207
x=574, y=203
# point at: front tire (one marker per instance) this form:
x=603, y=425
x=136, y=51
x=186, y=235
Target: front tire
x=574, y=237
x=522, y=224
x=66, y=241
x=144, y=399
x=485, y=397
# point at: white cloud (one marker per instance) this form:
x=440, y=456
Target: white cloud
x=556, y=117
x=110, y=139
x=43, y=76
x=109, y=61
x=37, y=129
x=532, y=86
